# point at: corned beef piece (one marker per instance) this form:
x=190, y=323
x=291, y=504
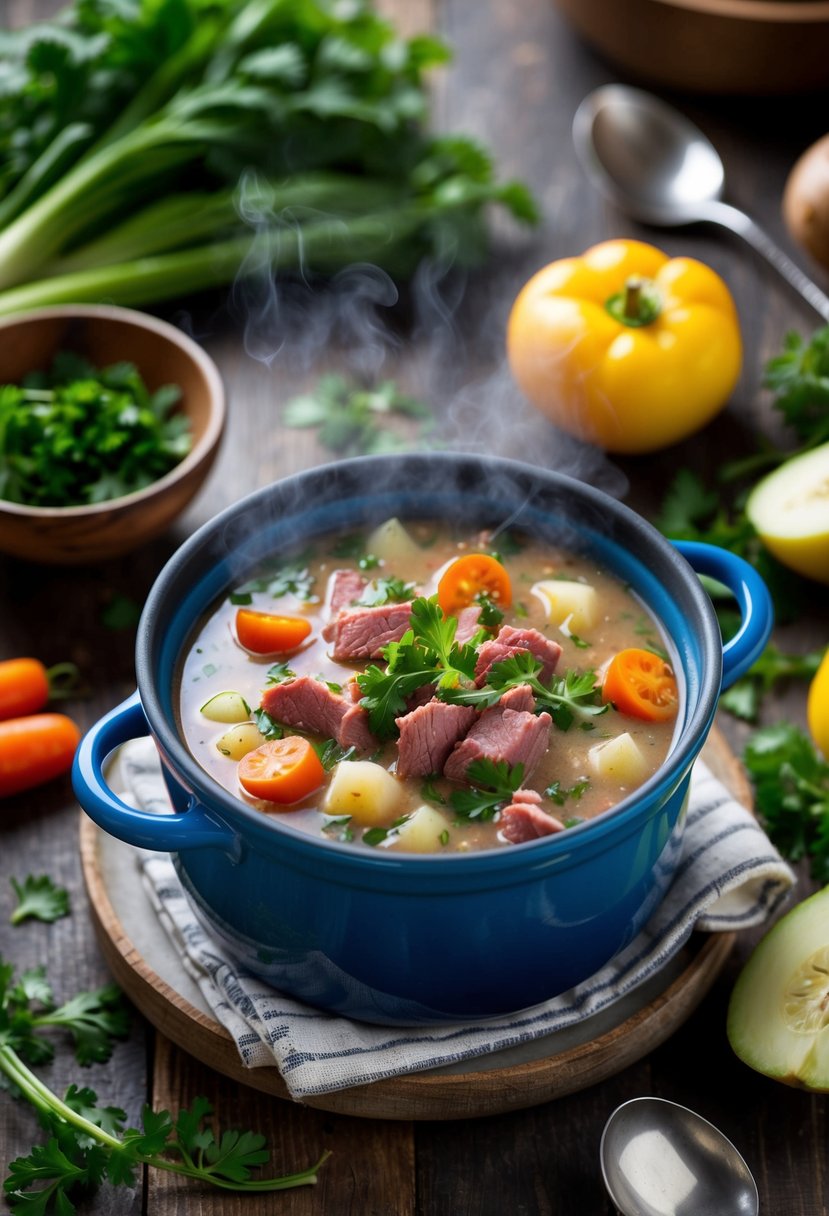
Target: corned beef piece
x=467, y=623
x=361, y=633
x=344, y=588
x=519, y=697
x=524, y=819
x=310, y=705
x=512, y=641
x=428, y=734
x=516, y=736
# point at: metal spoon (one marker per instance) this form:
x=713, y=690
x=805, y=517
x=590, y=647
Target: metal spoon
x=655, y=164
x=660, y=1159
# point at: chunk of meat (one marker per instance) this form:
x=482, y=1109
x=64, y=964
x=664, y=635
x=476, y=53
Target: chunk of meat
x=525, y=819
x=511, y=641
x=310, y=705
x=519, y=697
x=515, y=736
x=467, y=623
x=344, y=588
x=428, y=734
x=361, y=633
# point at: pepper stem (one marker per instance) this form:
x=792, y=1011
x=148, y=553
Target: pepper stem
x=637, y=304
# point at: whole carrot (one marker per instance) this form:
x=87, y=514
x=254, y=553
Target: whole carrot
x=26, y=685
x=35, y=749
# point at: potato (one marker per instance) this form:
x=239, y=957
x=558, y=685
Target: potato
x=226, y=707
x=619, y=759
x=422, y=831
x=240, y=740
x=393, y=544
x=366, y=791
x=806, y=201
x=573, y=605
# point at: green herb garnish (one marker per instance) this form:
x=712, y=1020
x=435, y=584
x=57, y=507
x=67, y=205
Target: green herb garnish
x=353, y=420
x=38, y=898
x=559, y=796
x=492, y=783
x=76, y=435
x=573, y=695
x=385, y=591
x=791, y=782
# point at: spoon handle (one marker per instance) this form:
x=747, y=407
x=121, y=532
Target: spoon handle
x=743, y=225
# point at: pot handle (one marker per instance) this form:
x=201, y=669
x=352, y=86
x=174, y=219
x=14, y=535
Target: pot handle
x=753, y=600
x=192, y=829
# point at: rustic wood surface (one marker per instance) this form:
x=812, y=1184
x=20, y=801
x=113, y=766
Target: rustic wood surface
x=517, y=77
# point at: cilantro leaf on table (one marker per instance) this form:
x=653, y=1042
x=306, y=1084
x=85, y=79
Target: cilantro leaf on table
x=791, y=782
x=492, y=785
x=86, y=1142
x=352, y=420
x=799, y=378
x=39, y=898
x=744, y=697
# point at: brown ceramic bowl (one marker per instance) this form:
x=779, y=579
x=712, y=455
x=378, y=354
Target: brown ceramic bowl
x=163, y=355
x=751, y=47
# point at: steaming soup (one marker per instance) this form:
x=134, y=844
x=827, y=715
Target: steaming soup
x=416, y=690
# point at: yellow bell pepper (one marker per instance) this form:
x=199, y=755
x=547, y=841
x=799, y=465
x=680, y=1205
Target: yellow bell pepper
x=625, y=347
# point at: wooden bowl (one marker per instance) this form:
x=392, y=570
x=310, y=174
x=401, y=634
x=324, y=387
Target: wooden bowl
x=163, y=355
x=753, y=47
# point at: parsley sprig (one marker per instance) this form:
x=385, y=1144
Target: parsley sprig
x=39, y=898
x=352, y=419
x=573, y=695
x=743, y=698
x=88, y=1144
x=791, y=782
x=426, y=654
x=492, y=785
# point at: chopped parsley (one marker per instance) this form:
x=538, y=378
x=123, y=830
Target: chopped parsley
x=492, y=785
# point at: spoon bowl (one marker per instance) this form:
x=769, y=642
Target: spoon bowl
x=655, y=164
x=661, y=1159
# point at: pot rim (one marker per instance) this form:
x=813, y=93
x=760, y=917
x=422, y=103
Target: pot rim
x=590, y=836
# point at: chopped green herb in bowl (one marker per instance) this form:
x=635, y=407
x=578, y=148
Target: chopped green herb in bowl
x=109, y=422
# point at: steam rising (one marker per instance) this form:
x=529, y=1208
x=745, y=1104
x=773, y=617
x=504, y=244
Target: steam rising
x=448, y=348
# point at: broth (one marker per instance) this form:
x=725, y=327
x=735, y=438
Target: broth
x=560, y=596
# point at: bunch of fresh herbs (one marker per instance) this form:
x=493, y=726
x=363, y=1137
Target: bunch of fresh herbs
x=75, y=435
x=88, y=1144
x=152, y=150
x=791, y=782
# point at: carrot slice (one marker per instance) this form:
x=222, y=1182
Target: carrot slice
x=468, y=577
x=35, y=749
x=641, y=684
x=281, y=770
x=269, y=632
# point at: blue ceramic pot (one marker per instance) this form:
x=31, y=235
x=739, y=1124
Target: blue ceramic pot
x=410, y=938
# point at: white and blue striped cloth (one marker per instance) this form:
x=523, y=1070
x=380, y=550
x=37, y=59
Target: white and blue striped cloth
x=729, y=877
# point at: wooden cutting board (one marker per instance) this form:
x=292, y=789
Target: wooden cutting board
x=146, y=966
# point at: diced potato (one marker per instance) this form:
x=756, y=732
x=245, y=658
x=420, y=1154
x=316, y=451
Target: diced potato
x=571, y=604
x=226, y=707
x=422, y=831
x=240, y=740
x=366, y=791
x=620, y=760
x=393, y=544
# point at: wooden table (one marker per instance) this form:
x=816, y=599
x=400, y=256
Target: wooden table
x=518, y=75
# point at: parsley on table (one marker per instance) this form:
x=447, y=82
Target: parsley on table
x=76, y=435
x=88, y=1144
x=39, y=899
x=743, y=698
x=492, y=785
x=791, y=782
x=354, y=420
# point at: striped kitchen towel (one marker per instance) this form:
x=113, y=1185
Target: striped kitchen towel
x=729, y=877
